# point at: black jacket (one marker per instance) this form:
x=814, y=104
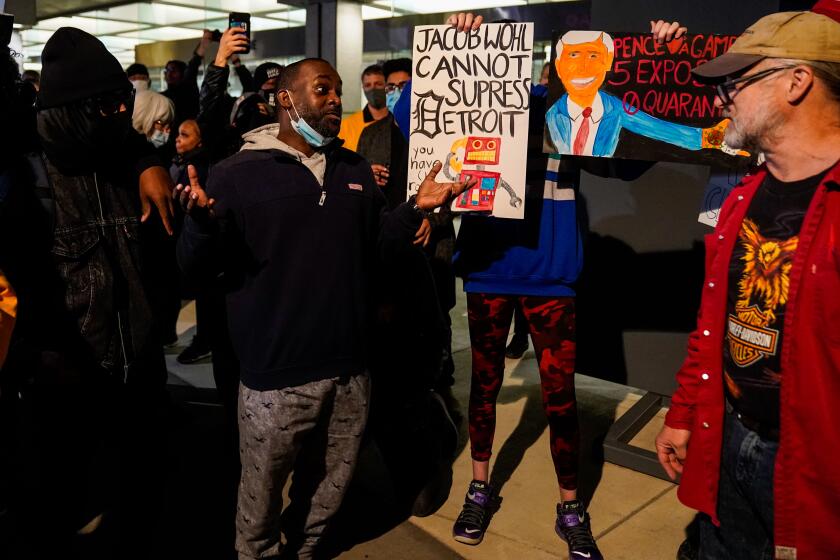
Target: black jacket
x=185, y=94
x=299, y=309
x=76, y=267
x=219, y=137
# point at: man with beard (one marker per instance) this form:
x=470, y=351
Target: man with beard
x=753, y=426
x=94, y=372
x=298, y=222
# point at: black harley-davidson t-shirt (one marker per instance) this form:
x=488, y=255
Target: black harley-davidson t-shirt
x=759, y=282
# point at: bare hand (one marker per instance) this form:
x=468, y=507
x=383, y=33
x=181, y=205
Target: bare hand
x=380, y=174
x=431, y=194
x=664, y=31
x=233, y=41
x=156, y=190
x=465, y=21
x=671, y=448
x=193, y=198
x=206, y=39
x=424, y=233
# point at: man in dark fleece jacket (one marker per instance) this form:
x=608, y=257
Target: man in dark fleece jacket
x=298, y=221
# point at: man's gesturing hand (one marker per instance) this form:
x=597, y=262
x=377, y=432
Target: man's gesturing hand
x=671, y=447
x=432, y=194
x=193, y=198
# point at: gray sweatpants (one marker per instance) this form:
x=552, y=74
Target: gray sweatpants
x=314, y=430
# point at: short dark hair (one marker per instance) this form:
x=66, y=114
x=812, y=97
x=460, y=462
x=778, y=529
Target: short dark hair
x=290, y=73
x=372, y=69
x=137, y=69
x=31, y=76
x=180, y=64
x=396, y=65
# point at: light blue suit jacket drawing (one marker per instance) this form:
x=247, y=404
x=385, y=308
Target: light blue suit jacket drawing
x=615, y=118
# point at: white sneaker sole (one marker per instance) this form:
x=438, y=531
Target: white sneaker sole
x=468, y=540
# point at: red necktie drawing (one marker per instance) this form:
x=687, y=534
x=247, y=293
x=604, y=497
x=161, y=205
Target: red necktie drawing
x=583, y=133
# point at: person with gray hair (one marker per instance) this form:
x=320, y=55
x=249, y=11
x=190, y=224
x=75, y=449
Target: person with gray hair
x=753, y=426
x=152, y=116
x=585, y=121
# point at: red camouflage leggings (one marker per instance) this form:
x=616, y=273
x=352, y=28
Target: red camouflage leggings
x=551, y=321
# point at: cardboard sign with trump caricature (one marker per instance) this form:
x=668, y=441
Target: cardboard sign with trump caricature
x=470, y=97
x=625, y=95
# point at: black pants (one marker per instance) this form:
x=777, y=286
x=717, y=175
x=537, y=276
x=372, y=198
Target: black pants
x=85, y=449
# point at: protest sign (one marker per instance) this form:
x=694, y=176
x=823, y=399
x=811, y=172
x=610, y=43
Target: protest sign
x=626, y=95
x=470, y=96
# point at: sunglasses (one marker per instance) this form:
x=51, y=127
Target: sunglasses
x=728, y=89
x=112, y=102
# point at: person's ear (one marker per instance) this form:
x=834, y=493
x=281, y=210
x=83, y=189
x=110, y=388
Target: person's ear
x=800, y=83
x=283, y=99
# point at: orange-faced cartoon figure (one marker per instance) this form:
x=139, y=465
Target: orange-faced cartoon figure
x=586, y=121
x=582, y=64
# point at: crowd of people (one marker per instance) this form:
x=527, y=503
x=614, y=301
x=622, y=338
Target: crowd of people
x=323, y=297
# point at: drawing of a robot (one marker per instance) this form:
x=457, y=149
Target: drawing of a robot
x=481, y=152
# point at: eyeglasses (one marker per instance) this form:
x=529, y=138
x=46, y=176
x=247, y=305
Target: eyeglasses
x=727, y=90
x=389, y=87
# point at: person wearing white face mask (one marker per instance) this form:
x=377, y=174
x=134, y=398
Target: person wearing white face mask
x=138, y=75
x=152, y=116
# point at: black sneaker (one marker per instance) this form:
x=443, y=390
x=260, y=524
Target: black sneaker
x=472, y=522
x=170, y=340
x=517, y=347
x=193, y=353
x=573, y=527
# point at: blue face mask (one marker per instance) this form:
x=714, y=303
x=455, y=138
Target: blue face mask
x=391, y=98
x=159, y=138
x=309, y=134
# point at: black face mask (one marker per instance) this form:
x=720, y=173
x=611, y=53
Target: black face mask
x=77, y=140
x=376, y=97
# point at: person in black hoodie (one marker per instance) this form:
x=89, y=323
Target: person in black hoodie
x=84, y=357
x=257, y=108
x=297, y=222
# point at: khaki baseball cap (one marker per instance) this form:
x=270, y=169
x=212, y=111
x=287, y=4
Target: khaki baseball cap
x=798, y=35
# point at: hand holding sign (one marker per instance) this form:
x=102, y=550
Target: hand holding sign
x=668, y=32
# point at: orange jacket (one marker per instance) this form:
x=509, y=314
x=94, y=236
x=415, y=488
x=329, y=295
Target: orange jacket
x=351, y=129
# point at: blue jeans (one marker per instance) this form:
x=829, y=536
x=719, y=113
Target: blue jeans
x=745, y=498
